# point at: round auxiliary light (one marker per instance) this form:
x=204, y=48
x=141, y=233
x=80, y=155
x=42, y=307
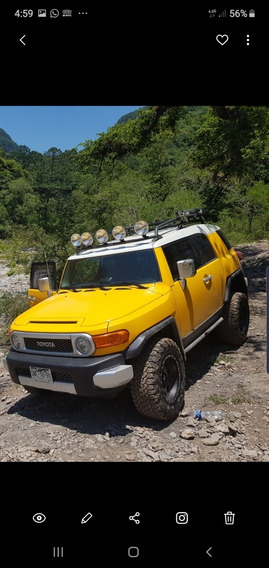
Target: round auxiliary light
x=141, y=228
x=86, y=239
x=76, y=240
x=101, y=236
x=119, y=233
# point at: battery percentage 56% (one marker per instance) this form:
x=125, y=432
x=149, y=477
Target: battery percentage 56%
x=238, y=14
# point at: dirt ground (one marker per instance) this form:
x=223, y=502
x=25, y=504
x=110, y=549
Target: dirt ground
x=60, y=428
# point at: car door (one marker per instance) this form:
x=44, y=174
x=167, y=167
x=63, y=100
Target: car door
x=201, y=297
x=207, y=285
x=41, y=270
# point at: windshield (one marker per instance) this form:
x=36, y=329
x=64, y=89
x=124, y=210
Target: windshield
x=129, y=268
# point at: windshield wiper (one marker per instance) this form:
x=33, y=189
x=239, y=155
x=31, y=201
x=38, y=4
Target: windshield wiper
x=129, y=284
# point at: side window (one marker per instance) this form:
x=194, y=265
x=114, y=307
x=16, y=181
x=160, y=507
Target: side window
x=224, y=238
x=203, y=249
x=178, y=251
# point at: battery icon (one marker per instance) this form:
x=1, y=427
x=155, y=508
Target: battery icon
x=251, y=13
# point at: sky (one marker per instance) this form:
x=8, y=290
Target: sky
x=64, y=127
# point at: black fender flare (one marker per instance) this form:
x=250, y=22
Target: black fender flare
x=236, y=282
x=140, y=341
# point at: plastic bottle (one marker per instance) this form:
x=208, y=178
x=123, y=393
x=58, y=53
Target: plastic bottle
x=209, y=415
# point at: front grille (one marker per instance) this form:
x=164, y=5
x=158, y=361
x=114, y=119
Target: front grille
x=58, y=376
x=50, y=345
x=62, y=377
x=23, y=371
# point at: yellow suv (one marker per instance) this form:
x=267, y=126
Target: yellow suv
x=129, y=310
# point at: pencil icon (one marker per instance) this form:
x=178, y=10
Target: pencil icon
x=86, y=518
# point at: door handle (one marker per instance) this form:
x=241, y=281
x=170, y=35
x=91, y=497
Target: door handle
x=207, y=278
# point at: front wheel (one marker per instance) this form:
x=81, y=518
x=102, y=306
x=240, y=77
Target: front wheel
x=158, y=387
x=234, y=328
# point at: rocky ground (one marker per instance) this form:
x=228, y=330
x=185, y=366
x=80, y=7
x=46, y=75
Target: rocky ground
x=60, y=428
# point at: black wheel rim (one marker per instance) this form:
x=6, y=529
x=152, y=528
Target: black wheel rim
x=170, y=379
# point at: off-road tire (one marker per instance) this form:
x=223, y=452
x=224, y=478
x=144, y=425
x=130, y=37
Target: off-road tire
x=158, y=386
x=234, y=328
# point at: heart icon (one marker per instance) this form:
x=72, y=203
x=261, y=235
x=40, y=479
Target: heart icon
x=222, y=39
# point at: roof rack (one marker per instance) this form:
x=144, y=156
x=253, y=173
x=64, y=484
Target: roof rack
x=183, y=217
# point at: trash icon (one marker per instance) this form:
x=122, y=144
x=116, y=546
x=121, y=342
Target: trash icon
x=229, y=518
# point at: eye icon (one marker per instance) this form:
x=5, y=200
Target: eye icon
x=39, y=518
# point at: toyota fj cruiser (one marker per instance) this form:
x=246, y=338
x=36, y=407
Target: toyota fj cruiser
x=129, y=310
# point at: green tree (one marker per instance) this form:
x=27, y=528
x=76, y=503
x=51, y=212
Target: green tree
x=9, y=170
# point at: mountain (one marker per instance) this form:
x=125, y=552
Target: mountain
x=130, y=116
x=6, y=142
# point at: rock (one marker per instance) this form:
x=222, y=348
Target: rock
x=191, y=422
x=163, y=456
x=213, y=440
x=203, y=433
x=224, y=428
x=151, y=454
x=173, y=435
x=187, y=434
x=43, y=449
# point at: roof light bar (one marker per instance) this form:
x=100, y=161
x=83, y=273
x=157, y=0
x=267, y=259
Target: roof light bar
x=141, y=228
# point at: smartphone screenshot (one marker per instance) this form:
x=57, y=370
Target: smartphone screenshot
x=134, y=393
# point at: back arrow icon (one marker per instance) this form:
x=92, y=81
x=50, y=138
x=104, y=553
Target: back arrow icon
x=22, y=38
x=208, y=551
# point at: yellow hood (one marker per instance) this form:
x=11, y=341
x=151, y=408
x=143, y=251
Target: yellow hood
x=69, y=310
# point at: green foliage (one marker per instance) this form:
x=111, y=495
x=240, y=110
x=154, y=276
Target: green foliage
x=149, y=165
x=11, y=305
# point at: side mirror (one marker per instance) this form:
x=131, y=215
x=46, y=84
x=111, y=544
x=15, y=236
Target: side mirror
x=43, y=284
x=186, y=269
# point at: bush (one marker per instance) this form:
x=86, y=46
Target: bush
x=10, y=307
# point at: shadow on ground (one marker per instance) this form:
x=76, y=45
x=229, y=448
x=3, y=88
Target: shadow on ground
x=117, y=415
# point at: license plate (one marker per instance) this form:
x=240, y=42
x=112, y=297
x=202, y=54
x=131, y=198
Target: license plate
x=41, y=375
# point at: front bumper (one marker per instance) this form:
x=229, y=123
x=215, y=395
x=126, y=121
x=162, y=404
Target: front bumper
x=93, y=376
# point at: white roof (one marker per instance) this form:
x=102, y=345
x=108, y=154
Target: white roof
x=167, y=235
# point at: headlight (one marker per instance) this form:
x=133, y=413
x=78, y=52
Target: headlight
x=84, y=345
x=141, y=228
x=17, y=341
